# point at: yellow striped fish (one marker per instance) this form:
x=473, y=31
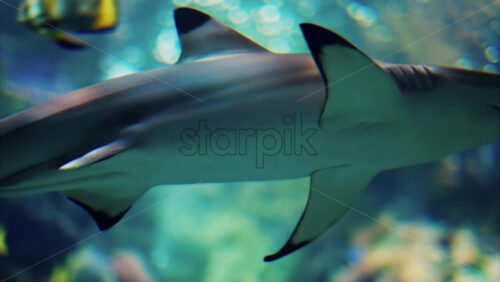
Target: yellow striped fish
x=55, y=18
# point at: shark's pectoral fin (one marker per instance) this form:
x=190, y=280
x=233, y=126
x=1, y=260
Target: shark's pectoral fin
x=96, y=155
x=358, y=89
x=201, y=37
x=106, y=206
x=332, y=192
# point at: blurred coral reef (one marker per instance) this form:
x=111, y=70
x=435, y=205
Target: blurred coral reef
x=393, y=250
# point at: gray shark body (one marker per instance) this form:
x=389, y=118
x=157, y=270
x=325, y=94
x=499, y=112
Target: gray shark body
x=247, y=114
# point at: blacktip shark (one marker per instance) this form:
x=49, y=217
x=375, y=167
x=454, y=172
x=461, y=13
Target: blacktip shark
x=337, y=116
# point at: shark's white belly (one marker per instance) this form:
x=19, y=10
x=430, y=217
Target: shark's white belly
x=273, y=138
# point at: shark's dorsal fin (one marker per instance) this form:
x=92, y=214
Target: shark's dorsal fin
x=332, y=192
x=201, y=37
x=359, y=91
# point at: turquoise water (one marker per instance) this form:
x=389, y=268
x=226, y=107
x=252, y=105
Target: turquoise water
x=431, y=222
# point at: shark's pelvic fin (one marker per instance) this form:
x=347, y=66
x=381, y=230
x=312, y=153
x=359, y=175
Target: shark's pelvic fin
x=201, y=37
x=109, y=199
x=106, y=207
x=332, y=192
x=96, y=155
x=103, y=219
x=359, y=91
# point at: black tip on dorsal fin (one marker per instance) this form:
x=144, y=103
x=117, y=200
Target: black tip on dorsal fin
x=318, y=37
x=187, y=19
x=103, y=220
x=202, y=37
